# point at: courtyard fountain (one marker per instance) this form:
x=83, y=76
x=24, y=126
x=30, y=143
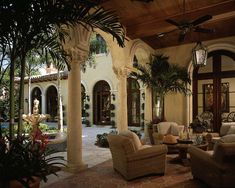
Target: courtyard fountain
x=35, y=118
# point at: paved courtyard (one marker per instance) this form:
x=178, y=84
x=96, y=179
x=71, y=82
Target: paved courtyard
x=92, y=154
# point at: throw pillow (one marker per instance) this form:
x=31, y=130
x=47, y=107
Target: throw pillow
x=231, y=130
x=174, y=130
x=169, y=139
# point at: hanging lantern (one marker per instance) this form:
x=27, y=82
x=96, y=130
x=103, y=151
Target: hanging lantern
x=199, y=54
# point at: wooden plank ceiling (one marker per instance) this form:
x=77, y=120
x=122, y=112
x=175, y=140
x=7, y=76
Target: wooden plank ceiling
x=145, y=20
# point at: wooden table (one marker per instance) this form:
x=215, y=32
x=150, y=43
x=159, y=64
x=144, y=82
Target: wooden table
x=183, y=150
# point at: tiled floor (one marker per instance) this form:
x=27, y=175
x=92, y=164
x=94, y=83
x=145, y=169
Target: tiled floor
x=92, y=155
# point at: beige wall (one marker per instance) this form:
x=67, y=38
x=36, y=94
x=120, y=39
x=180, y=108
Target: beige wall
x=177, y=107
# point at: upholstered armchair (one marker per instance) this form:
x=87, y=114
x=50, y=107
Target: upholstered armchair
x=225, y=129
x=132, y=159
x=216, y=168
x=164, y=128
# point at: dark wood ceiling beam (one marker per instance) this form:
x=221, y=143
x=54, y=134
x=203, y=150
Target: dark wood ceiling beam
x=152, y=27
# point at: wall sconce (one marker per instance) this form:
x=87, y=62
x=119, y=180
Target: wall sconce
x=113, y=96
x=143, y=95
x=87, y=98
x=199, y=55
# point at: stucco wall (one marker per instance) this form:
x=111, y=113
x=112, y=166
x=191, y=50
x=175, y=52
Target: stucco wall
x=178, y=107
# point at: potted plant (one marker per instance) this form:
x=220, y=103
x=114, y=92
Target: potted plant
x=162, y=77
x=24, y=162
x=198, y=125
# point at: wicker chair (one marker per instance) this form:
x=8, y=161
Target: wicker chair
x=132, y=159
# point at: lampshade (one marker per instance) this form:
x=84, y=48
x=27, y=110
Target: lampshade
x=199, y=54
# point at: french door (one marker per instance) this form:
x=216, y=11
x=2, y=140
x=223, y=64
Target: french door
x=214, y=87
x=101, y=103
x=133, y=102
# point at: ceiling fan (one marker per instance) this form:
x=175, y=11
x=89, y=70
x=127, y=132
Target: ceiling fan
x=185, y=26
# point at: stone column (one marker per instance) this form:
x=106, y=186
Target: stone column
x=74, y=127
x=122, y=122
x=43, y=105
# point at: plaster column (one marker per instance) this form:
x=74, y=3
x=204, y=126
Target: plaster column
x=74, y=127
x=147, y=109
x=43, y=103
x=122, y=122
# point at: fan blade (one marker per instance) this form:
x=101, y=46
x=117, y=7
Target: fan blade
x=203, y=30
x=159, y=35
x=201, y=19
x=172, y=22
x=181, y=36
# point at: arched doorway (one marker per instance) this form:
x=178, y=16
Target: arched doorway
x=52, y=103
x=101, y=103
x=214, y=86
x=133, y=102
x=36, y=94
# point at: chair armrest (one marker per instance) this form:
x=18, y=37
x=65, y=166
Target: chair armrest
x=202, y=158
x=147, y=152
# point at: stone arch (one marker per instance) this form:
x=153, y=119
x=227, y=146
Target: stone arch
x=210, y=48
x=36, y=93
x=142, y=51
x=104, y=79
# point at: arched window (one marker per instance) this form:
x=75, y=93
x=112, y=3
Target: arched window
x=36, y=94
x=52, y=102
x=101, y=103
x=214, y=86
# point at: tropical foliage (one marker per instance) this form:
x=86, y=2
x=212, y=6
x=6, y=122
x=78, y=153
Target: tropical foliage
x=162, y=77
x=27, y=25
x=27, y=158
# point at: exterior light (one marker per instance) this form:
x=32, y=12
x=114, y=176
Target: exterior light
x=199, y=55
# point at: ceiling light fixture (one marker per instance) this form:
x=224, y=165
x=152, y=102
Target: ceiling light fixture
x=199, y=55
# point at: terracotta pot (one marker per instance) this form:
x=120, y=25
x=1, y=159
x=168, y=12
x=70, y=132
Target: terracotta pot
x=35, y=183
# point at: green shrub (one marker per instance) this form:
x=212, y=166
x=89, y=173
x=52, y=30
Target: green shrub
x=102, y=141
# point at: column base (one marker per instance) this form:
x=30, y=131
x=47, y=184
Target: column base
x=75, y=168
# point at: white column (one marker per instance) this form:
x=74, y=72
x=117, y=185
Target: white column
x=74, y=127
x=43, y=103
x=147, y=109
x=122, y=121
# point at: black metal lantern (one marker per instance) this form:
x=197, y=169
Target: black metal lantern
x=199, y=53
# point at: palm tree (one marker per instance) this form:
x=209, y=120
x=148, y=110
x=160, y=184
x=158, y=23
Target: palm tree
x=27, y=24
x=162, y=77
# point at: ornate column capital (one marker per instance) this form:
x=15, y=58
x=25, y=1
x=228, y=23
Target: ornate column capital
x=77, y=55
x=121, y=72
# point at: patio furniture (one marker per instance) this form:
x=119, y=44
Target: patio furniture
x=164, y=128
x=217, y=168
x=132, y=159
x=182, y=149
x=226, y=128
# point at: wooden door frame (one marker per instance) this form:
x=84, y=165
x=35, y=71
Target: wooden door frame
x=129, y=102
x=216, y=77
x=95, y=101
